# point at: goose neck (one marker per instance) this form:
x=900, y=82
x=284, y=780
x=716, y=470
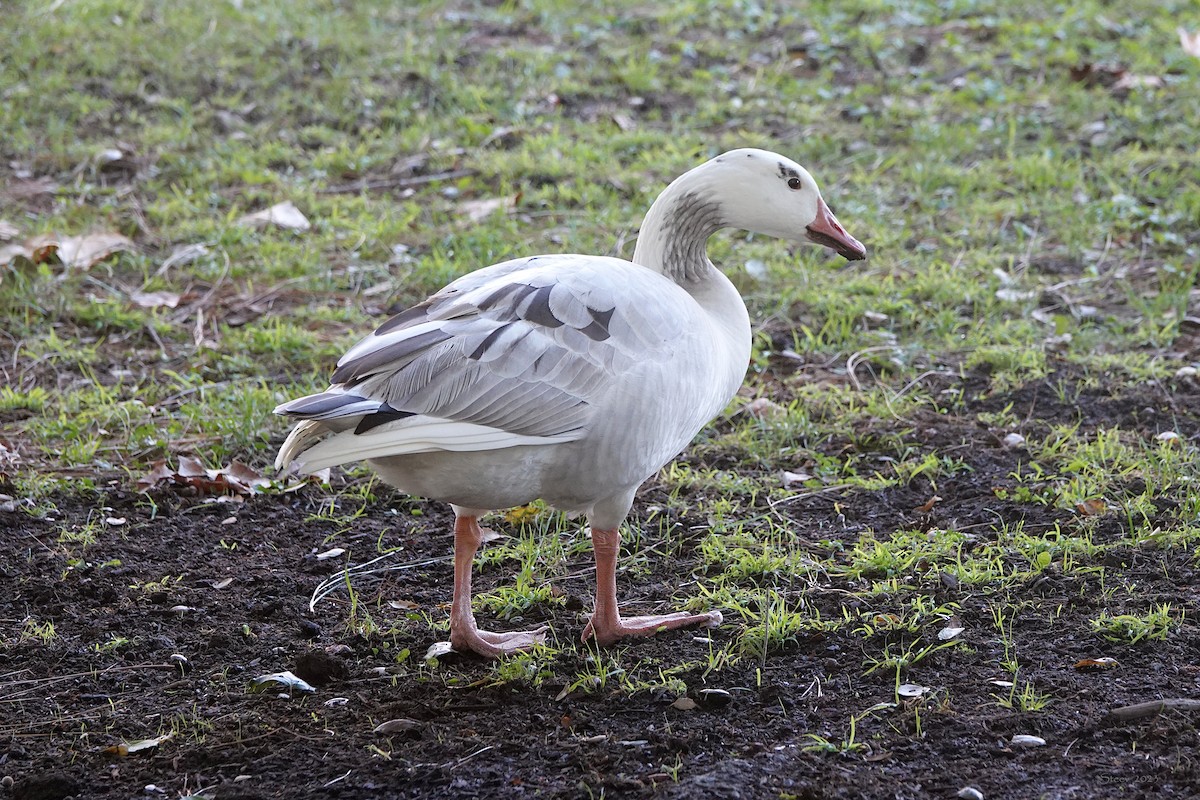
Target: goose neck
x=674, y=236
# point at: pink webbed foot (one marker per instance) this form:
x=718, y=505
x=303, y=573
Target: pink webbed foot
x=495, y=645
x=465, y=637
x=608, y=631
x=606, y=624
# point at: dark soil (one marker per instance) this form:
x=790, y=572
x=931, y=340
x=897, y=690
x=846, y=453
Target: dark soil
x=210, y=595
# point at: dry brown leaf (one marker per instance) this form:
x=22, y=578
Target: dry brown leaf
x=281, y=215
x=1190, y=42
x=928, y=505
x=1104, y=662
x=1091, y=508
x=402, y=605
x=684, y=704
x=38, y=250
x=236, y=479
x=1097, y=74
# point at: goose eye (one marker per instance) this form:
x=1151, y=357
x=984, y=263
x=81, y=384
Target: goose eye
x=795, y=184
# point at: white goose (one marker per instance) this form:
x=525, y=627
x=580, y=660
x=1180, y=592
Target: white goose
x=569, y=378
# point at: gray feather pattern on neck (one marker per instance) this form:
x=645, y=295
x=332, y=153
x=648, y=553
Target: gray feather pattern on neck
x=689, y=222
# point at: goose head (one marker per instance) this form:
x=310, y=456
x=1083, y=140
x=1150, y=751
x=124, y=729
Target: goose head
x=764, y=192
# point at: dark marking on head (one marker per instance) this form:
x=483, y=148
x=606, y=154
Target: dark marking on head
x=787, y=172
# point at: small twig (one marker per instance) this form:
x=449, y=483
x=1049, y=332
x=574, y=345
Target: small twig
x=856, y=358
x=466, y=758
x=339, y=578
x=805, y=495
x=380, y=184
x=335, y=780
x=1151, y=709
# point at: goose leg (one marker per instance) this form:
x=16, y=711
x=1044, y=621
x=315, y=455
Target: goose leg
x=464, y=635
x=606, y=623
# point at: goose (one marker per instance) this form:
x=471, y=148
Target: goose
x=566, y=378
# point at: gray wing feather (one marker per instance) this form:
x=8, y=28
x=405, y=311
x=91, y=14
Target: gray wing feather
x=524, y=346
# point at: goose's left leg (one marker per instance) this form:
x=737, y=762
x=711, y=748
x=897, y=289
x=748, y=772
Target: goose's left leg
x=464, y=633
x=606, y=623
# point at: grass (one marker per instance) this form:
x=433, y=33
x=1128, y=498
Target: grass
x=1027, y=229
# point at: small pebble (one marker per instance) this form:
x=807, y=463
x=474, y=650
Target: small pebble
x=1013, y=440
x=970, y=793
x=1025, y=740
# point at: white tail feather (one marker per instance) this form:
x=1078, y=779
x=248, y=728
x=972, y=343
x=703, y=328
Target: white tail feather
x=414, y=435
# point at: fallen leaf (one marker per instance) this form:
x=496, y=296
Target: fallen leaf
x=38, y=250
x=331, y=553
x=685, y=704
x=1097, y=74
x=7, y=230
x=402, y=605
x=437, y=650
x=155, y=299
x=281, y=215
x=521, y=514
x=791, y=478
x=762, y=408
x=1167, y=437
x=400, y=725
x=1104, y=662
x=1190, y=42
x=184, y=254
x=285, y=679
x=1130, y=81
x=928, y=505
x=125, y=748
x=1091, y=508
x=488, y=535
x=84, y=252
x=235, y=479
x=947, y=633
x=476, y=210
x=1015, y=295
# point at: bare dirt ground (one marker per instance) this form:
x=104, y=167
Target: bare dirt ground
x=202, y=597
